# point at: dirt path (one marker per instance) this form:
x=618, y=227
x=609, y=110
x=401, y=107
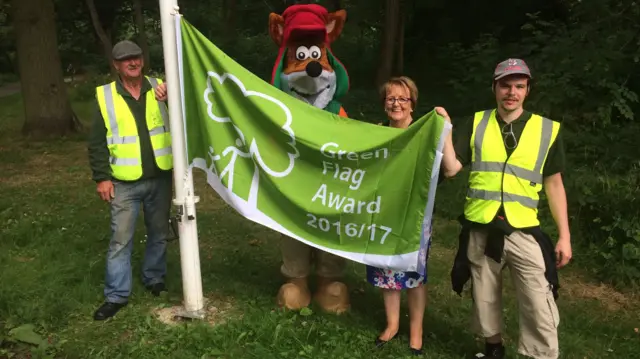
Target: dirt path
x=9, y=89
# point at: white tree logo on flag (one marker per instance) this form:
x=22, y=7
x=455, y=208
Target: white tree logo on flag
x=243, y=146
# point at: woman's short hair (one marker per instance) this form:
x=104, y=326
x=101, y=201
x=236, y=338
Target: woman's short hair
x=403, y=81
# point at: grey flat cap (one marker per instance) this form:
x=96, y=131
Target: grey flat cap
x=125, y=49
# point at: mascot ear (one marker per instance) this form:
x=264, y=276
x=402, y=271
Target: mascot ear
x=335, y=24
x=276, y=25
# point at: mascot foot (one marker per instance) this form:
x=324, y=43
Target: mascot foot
x=294, y=295
x=332, y=296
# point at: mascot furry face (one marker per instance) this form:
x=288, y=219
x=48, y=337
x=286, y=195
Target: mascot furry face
x=306, y=68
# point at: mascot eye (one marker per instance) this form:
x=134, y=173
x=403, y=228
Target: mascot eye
x=315, y=52
x=302, y=53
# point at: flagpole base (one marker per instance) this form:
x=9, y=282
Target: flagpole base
x=194, y=302
x=182, y=312
x=179, y=314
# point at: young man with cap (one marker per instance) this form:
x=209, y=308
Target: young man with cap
x=513, y=154
x=131, y=160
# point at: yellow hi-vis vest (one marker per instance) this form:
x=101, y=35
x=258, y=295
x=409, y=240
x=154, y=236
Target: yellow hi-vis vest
x=122, y=133
x=513, y=181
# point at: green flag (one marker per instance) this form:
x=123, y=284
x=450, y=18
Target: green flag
x=358, y=190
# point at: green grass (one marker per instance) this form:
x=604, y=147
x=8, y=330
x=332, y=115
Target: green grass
x=54, y=233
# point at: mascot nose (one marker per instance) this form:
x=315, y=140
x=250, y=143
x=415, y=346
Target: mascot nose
x=313, y=69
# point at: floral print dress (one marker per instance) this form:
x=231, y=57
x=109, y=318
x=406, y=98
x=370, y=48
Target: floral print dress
x=396, y=280
x=399, y=280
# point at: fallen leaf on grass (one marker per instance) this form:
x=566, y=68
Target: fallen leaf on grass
x=25, y=334
x=306, y=311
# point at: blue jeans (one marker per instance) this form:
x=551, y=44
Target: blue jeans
x=155, y=197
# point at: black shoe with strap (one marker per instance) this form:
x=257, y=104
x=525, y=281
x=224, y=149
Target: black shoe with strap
x=107, y=310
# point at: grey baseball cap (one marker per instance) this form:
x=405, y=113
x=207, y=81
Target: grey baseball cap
x=126, y=49
x=511, y=67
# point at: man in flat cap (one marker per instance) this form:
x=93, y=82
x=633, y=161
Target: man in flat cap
x=131, y=160
x=513, y=154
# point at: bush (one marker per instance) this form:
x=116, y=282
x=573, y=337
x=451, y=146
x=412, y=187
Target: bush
x=256, y=53
x=603, y=190
x=86, y=90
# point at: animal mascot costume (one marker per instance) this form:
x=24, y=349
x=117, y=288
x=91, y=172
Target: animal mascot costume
x=307, y=69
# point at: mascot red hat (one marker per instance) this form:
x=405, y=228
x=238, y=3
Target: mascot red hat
x=305, y=19
x=306, y=67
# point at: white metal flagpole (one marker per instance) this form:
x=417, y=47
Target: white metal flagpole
x=184, y=193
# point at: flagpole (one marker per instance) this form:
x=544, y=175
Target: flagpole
x=183, y=181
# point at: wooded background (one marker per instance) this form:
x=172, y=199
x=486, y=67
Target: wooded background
x=584, y=56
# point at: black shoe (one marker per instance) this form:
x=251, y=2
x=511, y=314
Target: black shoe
x=157, y=288
x=380, y=343
x=107, y=310
x=415, y=352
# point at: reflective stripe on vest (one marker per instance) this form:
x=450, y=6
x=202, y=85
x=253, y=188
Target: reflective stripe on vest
x=122, y=133
x=161, y=135
x=513, y=181
x=498, y=196
x=163, y=109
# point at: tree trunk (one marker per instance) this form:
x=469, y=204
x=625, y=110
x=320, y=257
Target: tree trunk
x=399, y=67
x=142, y=35
x=47, y=108
x=102, y=34
x=388, y=48
x=229, y=19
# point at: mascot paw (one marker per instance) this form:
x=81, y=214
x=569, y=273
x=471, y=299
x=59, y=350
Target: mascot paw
x=294, y=295
x=332, y=296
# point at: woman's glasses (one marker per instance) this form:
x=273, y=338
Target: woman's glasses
x=401, y=100
x=510, y=140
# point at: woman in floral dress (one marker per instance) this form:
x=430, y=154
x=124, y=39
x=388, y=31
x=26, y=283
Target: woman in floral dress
x=399, y=95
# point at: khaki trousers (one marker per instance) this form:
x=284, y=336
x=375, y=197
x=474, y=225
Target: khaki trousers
x=538, y=317
x=297, y=258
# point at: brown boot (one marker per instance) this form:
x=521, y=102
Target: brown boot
x=332, y=295
x=294, y=294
